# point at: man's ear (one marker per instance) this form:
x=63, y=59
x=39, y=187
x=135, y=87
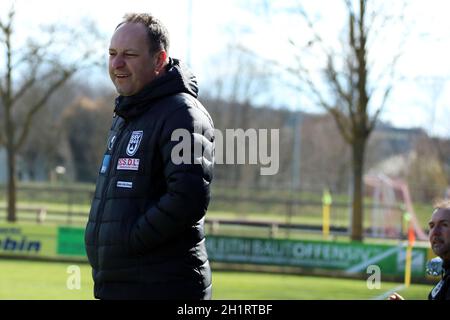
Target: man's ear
x=160, y=61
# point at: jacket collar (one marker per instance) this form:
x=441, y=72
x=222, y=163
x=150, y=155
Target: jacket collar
x=446, y=267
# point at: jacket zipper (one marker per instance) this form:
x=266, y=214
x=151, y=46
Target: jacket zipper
x=106, y=183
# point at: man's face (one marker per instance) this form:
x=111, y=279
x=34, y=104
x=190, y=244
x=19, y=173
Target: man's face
x=131, y=65
x=440, y=233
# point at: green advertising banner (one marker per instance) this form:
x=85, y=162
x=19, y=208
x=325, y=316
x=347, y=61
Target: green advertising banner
x=71, y=241
x=347, y=257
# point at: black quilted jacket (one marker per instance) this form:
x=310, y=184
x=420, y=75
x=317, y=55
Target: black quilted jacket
x=145, y=235
x=442, y=289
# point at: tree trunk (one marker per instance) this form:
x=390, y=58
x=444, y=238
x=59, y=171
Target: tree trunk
x=358, y=190
x=11, y=182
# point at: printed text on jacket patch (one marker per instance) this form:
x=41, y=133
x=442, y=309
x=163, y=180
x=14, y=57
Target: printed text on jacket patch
x=128, y=164
x=125, y=184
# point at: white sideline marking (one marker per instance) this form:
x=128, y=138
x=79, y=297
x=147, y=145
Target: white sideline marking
x=363, y=265
x=388, y=293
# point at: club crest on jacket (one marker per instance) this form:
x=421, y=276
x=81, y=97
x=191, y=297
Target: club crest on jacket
x=133, y=144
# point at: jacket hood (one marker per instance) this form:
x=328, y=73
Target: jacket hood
x=177, y=79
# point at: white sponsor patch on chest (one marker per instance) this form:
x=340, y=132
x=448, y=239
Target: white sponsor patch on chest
x=125, y=184
x=128, y=164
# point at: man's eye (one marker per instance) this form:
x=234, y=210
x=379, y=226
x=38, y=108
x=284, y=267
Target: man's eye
x=112, y=53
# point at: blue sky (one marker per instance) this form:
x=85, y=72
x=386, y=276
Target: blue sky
x=265, y=28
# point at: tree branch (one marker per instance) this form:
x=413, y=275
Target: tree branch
x=4, y=27
x=27, y=85
x=345, y=96
x=316, y=36
x=38, y=105
x=7, y=27
x=343, y=127
x=374, y=119
x=339, y=118
x=33, y=55
x=351, y=22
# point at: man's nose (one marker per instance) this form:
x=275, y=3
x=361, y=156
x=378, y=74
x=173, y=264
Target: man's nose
x=434, y=232
x=117, y=61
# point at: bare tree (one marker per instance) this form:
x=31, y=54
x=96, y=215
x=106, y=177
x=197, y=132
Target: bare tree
x=85, y=123
x=47, y=145
x=324, y=160
x=435, y=87
x=426, y=173
x=239, y=81
x=347, y=89
x=45, y=63
x=349, y=93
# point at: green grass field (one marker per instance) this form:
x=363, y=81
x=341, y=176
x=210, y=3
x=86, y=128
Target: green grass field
x=47, y=280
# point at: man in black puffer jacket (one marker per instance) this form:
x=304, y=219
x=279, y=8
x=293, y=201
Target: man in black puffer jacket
x=145, y=235
x=439, y=236
x=440, y=244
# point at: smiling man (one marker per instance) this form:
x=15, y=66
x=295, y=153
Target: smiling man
x=145, y=235
x=132, y=65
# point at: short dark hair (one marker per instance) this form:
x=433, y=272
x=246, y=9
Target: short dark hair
x=157, y=33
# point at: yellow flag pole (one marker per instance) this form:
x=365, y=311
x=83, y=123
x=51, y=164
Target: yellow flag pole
x=326, y=206
x=408, y=258
x=408, y=265
x=326, y=221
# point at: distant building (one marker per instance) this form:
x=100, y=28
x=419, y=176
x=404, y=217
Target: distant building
x=397, y=140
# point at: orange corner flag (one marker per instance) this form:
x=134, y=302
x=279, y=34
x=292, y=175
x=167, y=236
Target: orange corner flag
x=411, y=236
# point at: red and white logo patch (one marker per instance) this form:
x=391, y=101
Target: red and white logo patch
x=128, y=164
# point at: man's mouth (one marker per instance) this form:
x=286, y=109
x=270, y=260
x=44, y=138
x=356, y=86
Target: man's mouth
x=122, y=76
